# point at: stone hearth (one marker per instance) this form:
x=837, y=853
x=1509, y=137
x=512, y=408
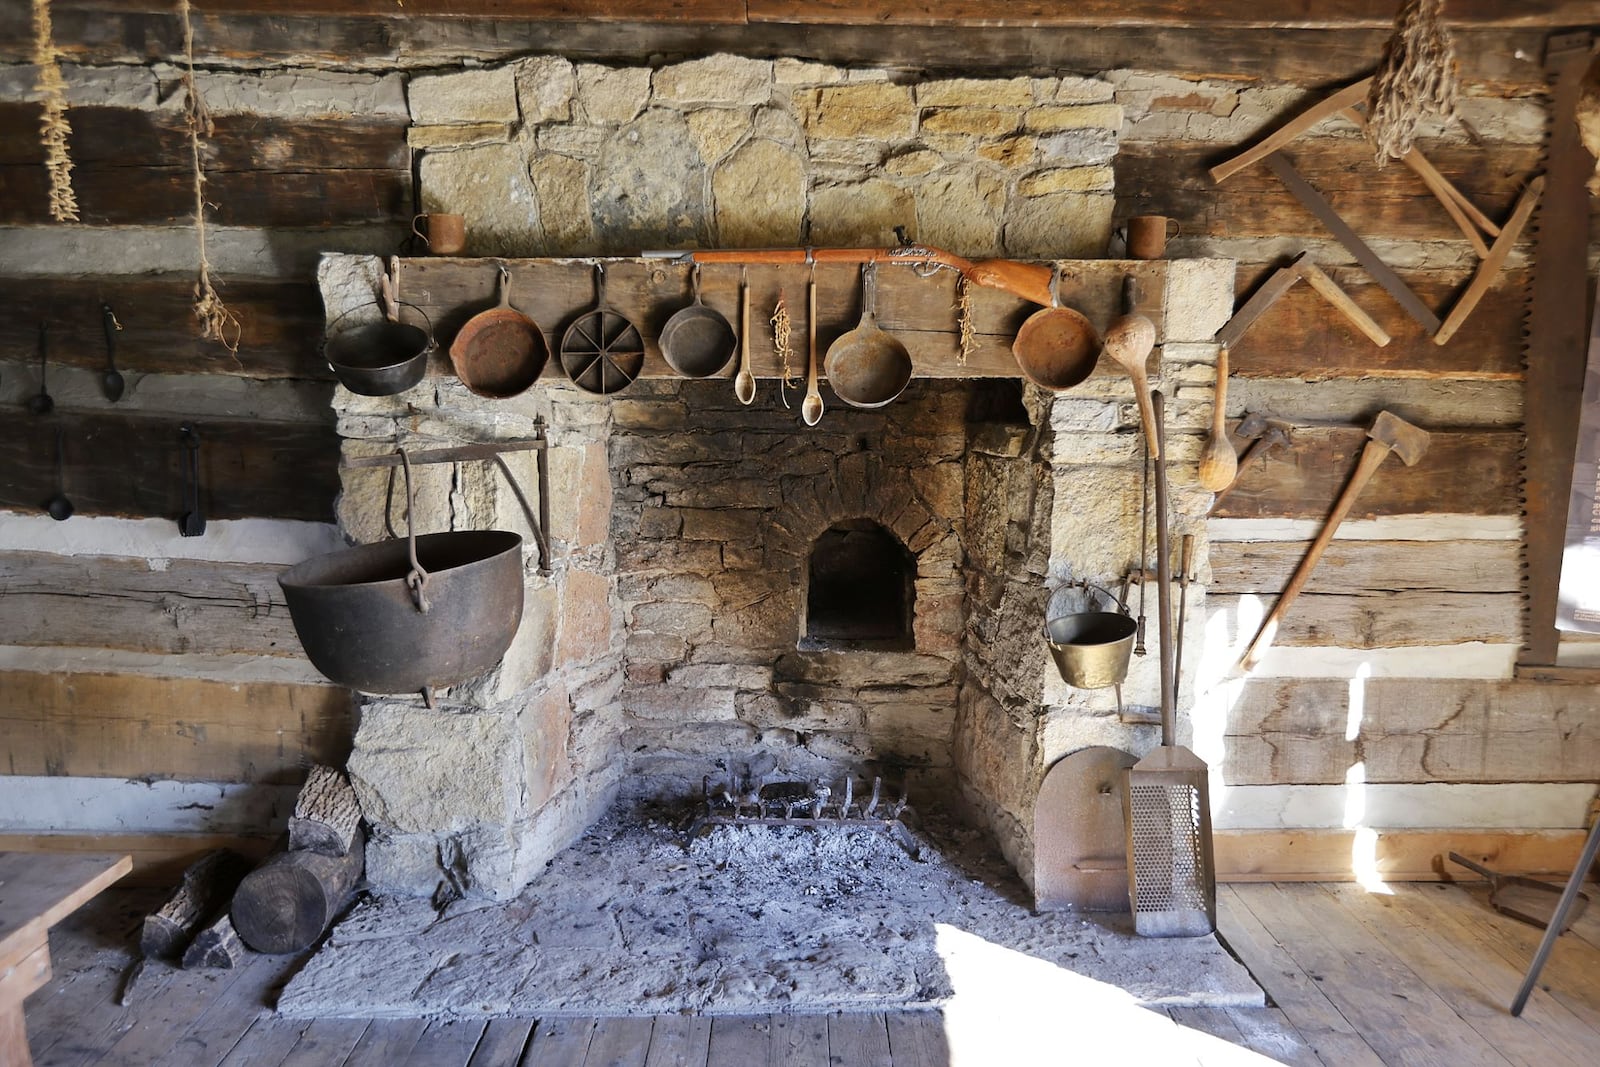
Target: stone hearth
x=669, y=642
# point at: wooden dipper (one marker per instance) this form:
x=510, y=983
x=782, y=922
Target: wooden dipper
x=1218, y=461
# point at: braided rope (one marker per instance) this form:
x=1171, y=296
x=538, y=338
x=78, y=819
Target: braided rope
x=217, y=323
x=1416, y=77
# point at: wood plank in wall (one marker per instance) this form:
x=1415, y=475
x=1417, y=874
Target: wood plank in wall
x=1172, y=178
x=1148, y=12
x=154, y=195
x=188, y=606
x=1411, y=730
x=281, y=322
x=1478, y=469
x=129, y=465
x=1387, y=620
x=1492, y=58
x=131, y=726
x=1357, y=566
x=158, y=859
x=1298, y=337
x=1401, y=855
x=919, y=311
x=118, y=140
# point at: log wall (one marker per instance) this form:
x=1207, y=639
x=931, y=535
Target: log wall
x=128, y=652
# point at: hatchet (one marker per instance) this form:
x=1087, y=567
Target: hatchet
x=1389, y=433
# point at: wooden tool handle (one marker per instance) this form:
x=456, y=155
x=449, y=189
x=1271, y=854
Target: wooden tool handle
x=1372, y=457
x=1302, y=122
x=1030, y=281
x=1186, y=558
x=1219, y=406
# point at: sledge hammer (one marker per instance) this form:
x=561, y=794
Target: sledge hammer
x=1389, y=433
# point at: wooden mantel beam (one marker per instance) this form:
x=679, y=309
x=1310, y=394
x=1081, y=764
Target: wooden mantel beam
x=1308, y=14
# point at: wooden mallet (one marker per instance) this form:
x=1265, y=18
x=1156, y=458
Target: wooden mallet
x=1389, y=433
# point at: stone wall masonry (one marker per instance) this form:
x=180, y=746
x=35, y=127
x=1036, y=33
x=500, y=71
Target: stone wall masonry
x=716, y=508
x=556, y=158
x=535, y=739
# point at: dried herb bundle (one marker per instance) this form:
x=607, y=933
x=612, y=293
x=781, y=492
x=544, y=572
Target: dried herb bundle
x=53, y=127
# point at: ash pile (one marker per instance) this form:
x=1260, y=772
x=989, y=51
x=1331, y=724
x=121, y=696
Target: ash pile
x=770, y=800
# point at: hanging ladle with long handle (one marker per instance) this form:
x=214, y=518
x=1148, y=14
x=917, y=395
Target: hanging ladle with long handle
x=111, y=381
x=811, y=407
x=59, y=507
x=744, y=383
x=42, y=404
x=1128, y=341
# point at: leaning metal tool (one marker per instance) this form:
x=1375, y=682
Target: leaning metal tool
x=1318, y=205
x=1172, y=885
x=1389, y=433
x=1558, y=921
x=1525, y=899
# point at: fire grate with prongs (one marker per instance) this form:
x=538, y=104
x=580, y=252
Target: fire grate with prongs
x=737, y=802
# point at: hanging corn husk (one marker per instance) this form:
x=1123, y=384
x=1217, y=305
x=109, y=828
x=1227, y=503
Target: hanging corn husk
x=53, y=126
x=967, y=331
x=217, y=323
x=1417, y=77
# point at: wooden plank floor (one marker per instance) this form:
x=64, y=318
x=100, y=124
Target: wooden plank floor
x=1418, y=976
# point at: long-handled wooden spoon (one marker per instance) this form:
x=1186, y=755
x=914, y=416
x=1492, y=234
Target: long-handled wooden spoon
x=1129, y=341
x=744, y=383
x=1218, y=461
x=811, y=407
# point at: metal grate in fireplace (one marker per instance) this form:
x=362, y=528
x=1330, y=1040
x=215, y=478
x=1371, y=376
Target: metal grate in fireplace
x=860, y=590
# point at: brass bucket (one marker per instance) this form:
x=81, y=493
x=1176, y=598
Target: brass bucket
x=1092, y=648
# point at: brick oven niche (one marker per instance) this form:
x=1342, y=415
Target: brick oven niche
x=860, y=590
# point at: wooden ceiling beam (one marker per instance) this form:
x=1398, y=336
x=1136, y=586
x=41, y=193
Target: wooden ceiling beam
x=1303, y=14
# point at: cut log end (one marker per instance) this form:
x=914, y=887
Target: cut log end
x=285, y=904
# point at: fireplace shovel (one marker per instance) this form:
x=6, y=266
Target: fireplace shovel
x=1525, y=899
x=1172, y=886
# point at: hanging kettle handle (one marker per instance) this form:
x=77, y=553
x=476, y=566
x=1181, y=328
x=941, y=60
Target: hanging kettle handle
x=417, y=577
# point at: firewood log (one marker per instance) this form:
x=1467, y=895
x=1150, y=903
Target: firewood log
x=326, y=814
x=217, y=947
x=207, y=885
x=285, y=904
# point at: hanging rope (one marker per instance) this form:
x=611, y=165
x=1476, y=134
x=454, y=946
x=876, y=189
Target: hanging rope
x=217, y=323
x=53, y=127
x=1417, y=77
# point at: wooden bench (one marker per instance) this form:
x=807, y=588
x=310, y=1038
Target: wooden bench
x=38, y=890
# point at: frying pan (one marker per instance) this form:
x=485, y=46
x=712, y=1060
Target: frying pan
x=697, y=341
x=499, y=352
x=867, y=366
x=1057, y=347
x=1527, y=899
x=602, y=352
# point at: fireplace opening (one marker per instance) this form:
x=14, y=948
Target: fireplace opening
x=860, y=590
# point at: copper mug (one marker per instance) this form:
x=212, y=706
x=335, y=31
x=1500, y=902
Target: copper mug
x=1148, y=236
x=445, y=235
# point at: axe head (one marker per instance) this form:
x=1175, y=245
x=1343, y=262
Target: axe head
x=1403, y=439
x=1253, y=425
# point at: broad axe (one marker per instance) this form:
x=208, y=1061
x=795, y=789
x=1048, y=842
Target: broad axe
x=1389, y=433
x=1264, y=434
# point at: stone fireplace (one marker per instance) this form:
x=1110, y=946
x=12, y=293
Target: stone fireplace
x=707, y=611
x=734, y=593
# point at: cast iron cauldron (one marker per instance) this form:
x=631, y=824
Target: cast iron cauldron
x=409, y=614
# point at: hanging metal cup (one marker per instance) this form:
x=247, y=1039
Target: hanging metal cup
x=1092, y=648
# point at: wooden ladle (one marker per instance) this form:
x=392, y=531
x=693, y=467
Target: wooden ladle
x=1129, y=341
x=1218, y=461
